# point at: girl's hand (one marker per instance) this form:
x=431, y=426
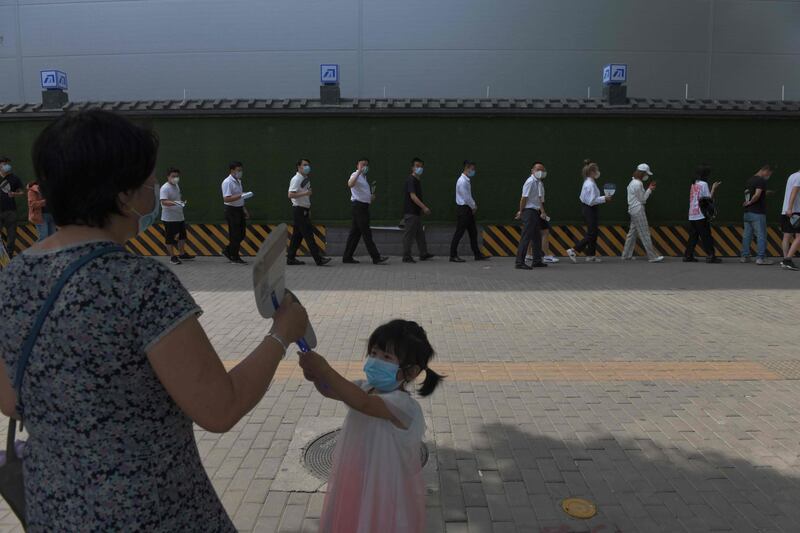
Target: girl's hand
x=291, y=320
x=312, y=363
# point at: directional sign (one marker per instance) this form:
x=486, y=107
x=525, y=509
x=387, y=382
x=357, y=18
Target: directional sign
x=54, y=79
x=329, y=74
x=615, y=74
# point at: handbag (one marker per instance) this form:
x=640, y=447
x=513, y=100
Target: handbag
x=12, y=482
x=708, y=208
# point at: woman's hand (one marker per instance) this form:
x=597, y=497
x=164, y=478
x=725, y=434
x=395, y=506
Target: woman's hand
x=291, y=320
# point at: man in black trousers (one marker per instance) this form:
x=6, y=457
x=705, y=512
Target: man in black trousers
x=300, y=195
x=361, y=196
x=236, y=214
x=413, y=209
x=465, y=211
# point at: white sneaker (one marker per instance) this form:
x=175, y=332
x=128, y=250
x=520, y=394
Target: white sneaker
x=761, y=261
x=744, y=259
x=656, y=259
x=528, y=258
x=550, y=259
x=631, y=258
x=572, y=255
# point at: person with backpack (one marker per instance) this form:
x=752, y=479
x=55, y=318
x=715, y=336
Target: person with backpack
x=701, y=212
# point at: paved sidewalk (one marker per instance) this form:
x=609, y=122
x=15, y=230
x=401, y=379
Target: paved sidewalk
x=665, y=393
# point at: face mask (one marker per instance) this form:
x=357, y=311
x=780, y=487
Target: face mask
x=418, y=171
x=306, y=169
x=540, y=174
x=470, y=173
x=175, y=180
x=597, y=176
x=6, y=168
x=238, y=175
x=646, y=177
x=145, y=221
x=365, y=170
x=381, y=374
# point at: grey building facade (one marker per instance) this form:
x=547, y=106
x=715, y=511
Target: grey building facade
x=171, y=49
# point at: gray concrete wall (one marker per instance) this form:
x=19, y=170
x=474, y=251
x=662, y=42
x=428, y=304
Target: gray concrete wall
x=154, y=49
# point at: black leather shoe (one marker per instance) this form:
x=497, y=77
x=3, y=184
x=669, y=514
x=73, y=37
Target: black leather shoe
x=481, y=257
x=408, y=260
x=350, y=261
x=456, y=259
x=426, y=257
x=522, y=266
x=713, y=260
x=294, y=262
x=379, y=261
x=324, y=261
x=238, y=261
x=539, y=265
x=689, y=260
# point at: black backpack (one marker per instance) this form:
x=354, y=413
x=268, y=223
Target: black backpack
x=708, y=208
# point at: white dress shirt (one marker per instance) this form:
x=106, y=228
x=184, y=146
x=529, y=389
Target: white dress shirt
x=300, y=183
x=637, y=196
x=533, y=190
x=464, y=192
x=590, y=194
x=360, y=192
x=231, y=187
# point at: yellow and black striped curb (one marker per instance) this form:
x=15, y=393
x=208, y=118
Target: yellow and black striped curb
x=503, y=240
x=201, y=239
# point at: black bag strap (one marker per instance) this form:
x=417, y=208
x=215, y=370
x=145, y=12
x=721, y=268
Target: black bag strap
x=27, y=347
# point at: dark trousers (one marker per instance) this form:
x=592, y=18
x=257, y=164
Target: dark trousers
x=360, y=228
x=413, y=231
x=234, y=216
x=589, y=241
x=303, y=229
x=700, y=230
x=9, y=222
x=531, y=233
x=465, y=222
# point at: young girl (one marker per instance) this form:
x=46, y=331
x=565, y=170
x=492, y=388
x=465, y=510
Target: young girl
x=590, y=199
x=376, y=482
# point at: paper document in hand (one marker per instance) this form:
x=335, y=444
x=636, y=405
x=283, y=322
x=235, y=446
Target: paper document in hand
x=247, y=196
x=269, y=278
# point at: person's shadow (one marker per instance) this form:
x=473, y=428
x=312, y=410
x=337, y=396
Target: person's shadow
x=501, y=478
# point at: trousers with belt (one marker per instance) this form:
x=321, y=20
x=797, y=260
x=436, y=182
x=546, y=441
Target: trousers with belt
x=465, y=221
x=303, y=229
x=237, y=225
x=358, y=229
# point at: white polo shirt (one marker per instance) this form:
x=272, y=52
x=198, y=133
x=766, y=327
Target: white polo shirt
x=533, y=190
x=171, y=213
x=300, y=183
x=360, y=192
x=231, y=187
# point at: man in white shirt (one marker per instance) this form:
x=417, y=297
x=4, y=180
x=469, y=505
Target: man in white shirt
x=465, y=211
x=361, y=196
x=300, y=195
x=236, y=214
x=637, y=198
x=531, y=212
x=789, y=213
x=172, y=205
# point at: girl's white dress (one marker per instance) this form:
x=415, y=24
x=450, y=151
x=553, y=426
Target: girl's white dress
x=376, y=482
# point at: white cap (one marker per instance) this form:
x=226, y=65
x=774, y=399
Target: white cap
x=644, y=167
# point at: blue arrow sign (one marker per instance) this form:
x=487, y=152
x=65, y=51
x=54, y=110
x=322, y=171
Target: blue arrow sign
x=329, y=74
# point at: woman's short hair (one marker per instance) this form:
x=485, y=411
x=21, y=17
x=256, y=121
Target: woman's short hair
x=83, y=161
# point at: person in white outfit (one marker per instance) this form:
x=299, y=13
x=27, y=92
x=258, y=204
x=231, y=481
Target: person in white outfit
x=637, y=198
x=590, y=200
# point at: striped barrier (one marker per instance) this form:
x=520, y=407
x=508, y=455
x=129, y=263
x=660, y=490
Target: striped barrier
x=503, y=240
x=201, y=239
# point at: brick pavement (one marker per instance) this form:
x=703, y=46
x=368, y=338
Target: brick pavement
x=664, y=393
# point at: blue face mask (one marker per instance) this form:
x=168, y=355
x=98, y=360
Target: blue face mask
x=306, y=169
x=381, y=374
x=418, y=171
x=145, y=221
x=470, y=173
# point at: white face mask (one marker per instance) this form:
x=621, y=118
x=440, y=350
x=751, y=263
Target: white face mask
x=238, y=175
x=597, y=176
x=540, y=174
x=175, y=180
x=365, y=170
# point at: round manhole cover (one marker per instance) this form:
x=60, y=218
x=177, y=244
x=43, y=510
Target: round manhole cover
x=318, y=455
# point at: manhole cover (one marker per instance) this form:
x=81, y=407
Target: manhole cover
x=318, y=455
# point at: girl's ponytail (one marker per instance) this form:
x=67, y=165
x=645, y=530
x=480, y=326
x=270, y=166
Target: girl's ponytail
x=431, y=381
